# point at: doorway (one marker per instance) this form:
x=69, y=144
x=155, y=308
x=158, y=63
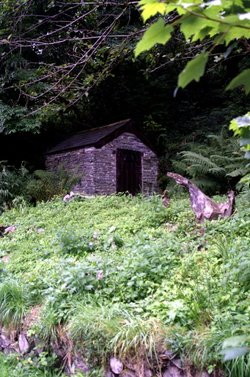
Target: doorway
x=129, y=171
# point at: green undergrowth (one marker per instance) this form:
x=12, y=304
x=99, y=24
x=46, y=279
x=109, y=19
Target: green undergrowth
x=13, y=366
x=121, y=275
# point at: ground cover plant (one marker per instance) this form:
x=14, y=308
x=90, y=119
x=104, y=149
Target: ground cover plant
x=125, y=276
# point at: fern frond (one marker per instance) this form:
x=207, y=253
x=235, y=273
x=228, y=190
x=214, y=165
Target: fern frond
x=237, y=173
x=218, y=158
x=195, y=158
x=179, y=166
x=217, y=171
x=216, y=139
x=218, y=161
x=196, y=170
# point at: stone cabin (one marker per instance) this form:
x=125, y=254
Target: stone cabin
x=110, y=159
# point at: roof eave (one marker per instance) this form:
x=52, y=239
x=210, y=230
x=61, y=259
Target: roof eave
x=69, y=149
x=125, y=127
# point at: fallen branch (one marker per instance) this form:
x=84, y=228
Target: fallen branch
x=203, y=206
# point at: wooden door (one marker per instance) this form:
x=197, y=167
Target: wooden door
x=128, y=170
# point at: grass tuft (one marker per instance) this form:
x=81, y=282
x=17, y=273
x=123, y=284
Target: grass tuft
x=14, y=303
x=113, y=330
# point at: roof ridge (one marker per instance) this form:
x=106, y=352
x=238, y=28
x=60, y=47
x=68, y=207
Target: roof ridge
x=102, y=127
x=92, y=136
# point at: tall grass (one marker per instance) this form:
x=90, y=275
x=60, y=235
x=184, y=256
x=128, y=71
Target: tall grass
x=104, y=331
x=239, y=367
x=47, y=326
x=137, y=333
x=14, y=303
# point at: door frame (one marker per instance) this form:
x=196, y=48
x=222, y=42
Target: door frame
x=139, y=176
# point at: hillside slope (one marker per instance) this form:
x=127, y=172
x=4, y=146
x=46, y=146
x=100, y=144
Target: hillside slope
x=124, y=276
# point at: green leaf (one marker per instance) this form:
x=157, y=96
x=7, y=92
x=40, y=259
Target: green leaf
x=234, y=33
x=196, y=28
x=190, y=25
x=234, y=27
x=151, y=9
x=243, y=79
x=232, y=4
x=194, y=70
x=159, y=32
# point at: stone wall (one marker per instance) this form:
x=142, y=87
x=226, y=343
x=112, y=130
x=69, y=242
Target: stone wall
x=97, y=166
x=105, y=164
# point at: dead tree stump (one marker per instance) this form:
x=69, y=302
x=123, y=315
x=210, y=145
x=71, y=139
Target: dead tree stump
x=203, y=206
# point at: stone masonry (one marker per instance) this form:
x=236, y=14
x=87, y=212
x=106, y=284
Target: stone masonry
x=97, y=166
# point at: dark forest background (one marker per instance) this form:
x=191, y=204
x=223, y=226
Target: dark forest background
x=70, y=66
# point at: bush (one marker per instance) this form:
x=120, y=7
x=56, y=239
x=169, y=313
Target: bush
x=47, y=184
x=19, y=186
x=72, y=243
x=12, y=184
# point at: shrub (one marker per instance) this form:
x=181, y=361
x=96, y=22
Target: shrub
x=12, y=184
x=47, y=184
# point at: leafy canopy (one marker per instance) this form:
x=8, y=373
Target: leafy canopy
x=223, y=20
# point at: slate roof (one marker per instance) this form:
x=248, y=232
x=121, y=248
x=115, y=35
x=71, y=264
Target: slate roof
x=94, y=137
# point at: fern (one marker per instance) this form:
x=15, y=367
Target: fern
x=217, y=171
x=238, y=172
x=214, y=166
x=200, y=164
